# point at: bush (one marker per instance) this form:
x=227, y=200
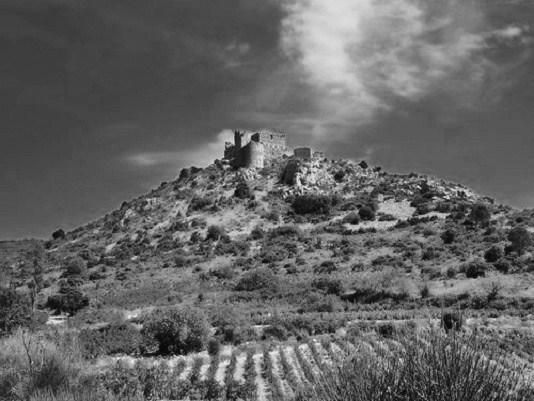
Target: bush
x=434, y=366
x=177, y=331
x=15, y=311
x=69, y=300
x=493, y=254
x=200, y=203
x=366, y=213
x=214, y=346
x=502, y=265
x=339, y=175
x=328, y=285
x=475, y=269
x=58, y=234
x=480, y=214
x=74, y=266
x=325, y=267
x=31, y=364
x=242, y=191
x=448, y=236
x=352, y=218
x=257, y=279
x=216, y=233
x=232, y=325
x=312, y=204
x=257, y=233
x=451, y=321
x=520, y=239
x=117, y=338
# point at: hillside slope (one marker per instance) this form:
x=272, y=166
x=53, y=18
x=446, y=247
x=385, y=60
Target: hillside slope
x=336, y=236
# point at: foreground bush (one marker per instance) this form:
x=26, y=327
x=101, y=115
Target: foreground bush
x=31, y=363
x=177, y=331
x=434, y=367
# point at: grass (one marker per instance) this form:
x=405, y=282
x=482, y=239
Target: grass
x=430, y=367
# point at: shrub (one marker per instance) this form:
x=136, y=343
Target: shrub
x=480, y=214
x=321, y=303
x=448, y=236
x=216, y=233
x=242, y=191
x=327, y=267
x=15, y=311
x=520, y=239
x=69, y=300
x=199, y=203
x=177, y=331
x=425, y=291
x=475, y=269
x=74, y=266
x=328, y=285
x=257, y=233
x=214, y=346
x=117, y=338
x=232, y=325
x=451, y=321
x=58, y=234
x=352, y=218
x=366, y=213
x=339, y=175
x=502, y=265
x=451, y=272
x=286, y=232
x=257, y=279
x=312, y=204
x=493, y=254
x=275, y=331
x=31, y=364
x=434, y=366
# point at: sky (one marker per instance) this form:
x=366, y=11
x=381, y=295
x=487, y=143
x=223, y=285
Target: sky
x=101, y=100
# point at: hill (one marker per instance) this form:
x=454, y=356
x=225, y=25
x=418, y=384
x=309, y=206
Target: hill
x=289, y=253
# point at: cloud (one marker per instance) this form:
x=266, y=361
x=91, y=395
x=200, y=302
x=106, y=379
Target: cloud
x=363, y=57
x=175, y=159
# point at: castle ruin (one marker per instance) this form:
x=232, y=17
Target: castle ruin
x=255, y=148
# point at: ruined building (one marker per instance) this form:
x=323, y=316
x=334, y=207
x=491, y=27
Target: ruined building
x=255, y=148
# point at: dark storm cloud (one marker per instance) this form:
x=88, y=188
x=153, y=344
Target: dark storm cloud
x=101, y=100
x=85, y=84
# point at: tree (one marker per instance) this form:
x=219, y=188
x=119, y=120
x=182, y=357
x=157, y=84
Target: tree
x=58, y=234
x=178, y=331
x=480, y=214
x=520, y=239
x=15, y=311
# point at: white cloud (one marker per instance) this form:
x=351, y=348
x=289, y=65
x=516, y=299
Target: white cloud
x=363, y=56
x=200, y=156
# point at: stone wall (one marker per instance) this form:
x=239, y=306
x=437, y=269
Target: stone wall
x=254, y=149
x=303, y=153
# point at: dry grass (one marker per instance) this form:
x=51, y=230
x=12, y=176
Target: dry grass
x=431, y=367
